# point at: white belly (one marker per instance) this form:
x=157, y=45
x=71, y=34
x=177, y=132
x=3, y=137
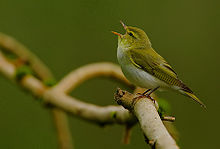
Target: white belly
x=137, y=76
x=140, y=77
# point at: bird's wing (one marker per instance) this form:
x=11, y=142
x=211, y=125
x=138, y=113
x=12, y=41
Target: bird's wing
x=153, y=63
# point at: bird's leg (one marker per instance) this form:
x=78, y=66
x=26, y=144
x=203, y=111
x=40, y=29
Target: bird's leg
x=153, y=90
x=149, y=93
x=143, y=95
x=144, y=92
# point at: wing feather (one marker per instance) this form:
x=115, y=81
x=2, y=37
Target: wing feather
x=153, y=63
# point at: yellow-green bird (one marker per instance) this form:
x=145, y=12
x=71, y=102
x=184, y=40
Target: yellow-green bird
x=144, y=67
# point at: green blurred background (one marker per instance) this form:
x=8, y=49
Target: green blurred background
x=69, y=34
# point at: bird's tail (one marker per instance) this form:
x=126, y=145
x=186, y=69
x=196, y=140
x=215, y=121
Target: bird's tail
x=191, y=95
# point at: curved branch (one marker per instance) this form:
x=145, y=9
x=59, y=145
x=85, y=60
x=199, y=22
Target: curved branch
x=99, y=114
x=10, y=44
x=78, y=76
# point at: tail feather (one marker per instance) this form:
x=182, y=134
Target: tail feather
x=191, y=95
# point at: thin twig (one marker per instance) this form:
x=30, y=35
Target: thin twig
x=127, y=134
x=62, y=127
x=168, y=118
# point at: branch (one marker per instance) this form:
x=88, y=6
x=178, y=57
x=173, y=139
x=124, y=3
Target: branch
x=10, y=44
x=146, y=113
x=62, y=127
x=98, y=114
x=78, y=76
x=87, y=111
x=168, y=118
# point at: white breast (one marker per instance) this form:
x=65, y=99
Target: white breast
x=137, y=76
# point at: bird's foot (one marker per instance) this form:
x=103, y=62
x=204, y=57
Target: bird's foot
x=144, y=95
x=151, y=98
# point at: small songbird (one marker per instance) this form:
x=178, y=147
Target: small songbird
x=144, y=67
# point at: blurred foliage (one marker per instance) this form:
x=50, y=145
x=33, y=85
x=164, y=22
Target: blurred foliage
x=164, y=107
x=50, y=82
x=23, y=71
x=68, y=34
x=9, y=55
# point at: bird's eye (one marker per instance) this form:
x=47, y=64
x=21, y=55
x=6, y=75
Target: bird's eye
x=131, y=34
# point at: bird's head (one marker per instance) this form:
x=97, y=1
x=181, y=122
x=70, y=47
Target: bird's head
x=133, y=38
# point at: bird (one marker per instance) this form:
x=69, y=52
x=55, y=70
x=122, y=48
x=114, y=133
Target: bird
x=145, y=68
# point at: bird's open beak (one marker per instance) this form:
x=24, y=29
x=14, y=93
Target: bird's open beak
x=117, y=33
x=124, y=26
